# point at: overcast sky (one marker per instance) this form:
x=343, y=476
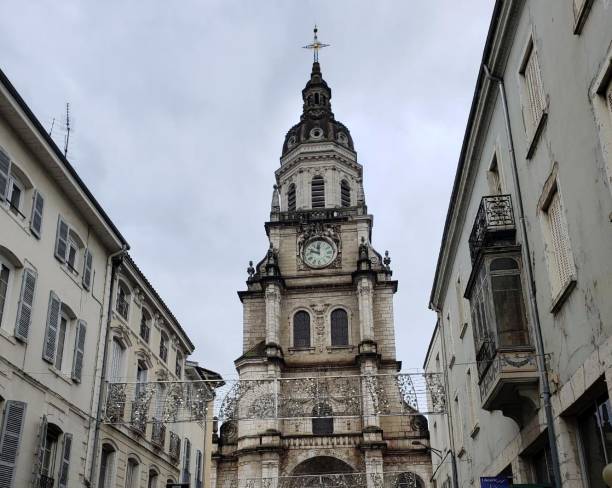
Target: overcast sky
x=180, y=110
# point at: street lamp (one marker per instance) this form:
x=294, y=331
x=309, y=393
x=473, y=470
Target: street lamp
x=437, y=452
x=607, y=474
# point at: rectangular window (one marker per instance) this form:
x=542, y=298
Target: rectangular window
x=87, y=264
x=561, y=266
x=4, y=278
x=542, y=467
x=73, y=249
x=14, y=198
x=141, y=377
x=534, y=100
x=595, y=426
x=79, y=351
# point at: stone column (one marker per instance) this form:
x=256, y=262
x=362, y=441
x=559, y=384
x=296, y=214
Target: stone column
x=269, y=471
x=272, y=297
x=365, y=292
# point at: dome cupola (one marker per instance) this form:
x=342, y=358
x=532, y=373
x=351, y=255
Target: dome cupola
x=317, y=122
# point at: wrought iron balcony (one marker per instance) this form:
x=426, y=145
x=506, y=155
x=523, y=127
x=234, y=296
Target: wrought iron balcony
x=316, y=214
x=508, y=381
x=175, y=447
x=158, y=433
x=494, y=224
x=45, y=481
x=138, y=420
x=115, y=402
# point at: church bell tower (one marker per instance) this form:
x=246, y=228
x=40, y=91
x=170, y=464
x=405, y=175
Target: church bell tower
x=318, y=330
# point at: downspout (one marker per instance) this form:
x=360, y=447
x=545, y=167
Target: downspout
x=449, y=422
x=115, y=261
x=533, y=304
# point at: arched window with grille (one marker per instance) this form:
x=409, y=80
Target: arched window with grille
x=291, y=198
x=408, y=480
x=339, y=328
x=318, y=192
x=345, y=194
x=301, y=329
x=322, y=419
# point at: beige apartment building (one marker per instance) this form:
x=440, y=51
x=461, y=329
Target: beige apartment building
x=67, y=289
x=524, y=276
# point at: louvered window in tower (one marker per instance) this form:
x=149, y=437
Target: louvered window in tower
x=345, y=194
x=301, y=329
x=318, y=192
x=291, y=198
x=339, y=328
x=561, y=264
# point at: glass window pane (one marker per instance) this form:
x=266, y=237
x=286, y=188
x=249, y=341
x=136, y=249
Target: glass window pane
x=301, y=329
x=509, y=310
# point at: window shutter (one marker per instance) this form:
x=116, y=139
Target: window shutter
x=560, y=242
x=534, y=88
x=40, y=450
x=38, y=203
x=5, y=171
x=87, y=262
x=53, y=318
x=10, y=437
x=65, y=466
x=79, y=351
x=61, y=240
x=26, y=302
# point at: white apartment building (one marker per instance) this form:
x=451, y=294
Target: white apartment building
x=524, y=276
x=55, y=249
x=76, y=313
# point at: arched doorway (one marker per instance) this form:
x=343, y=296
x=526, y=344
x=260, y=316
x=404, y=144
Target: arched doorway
x=322, y=472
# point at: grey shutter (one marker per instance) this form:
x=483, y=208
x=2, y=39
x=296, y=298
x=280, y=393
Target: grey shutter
x=10, y=437
x=40, y=450
x=65, y=466
x=53, y=319
x=26, y=302
x=38, y=203
x=87, y=262
x=79, y=351
x=5, y=171
x=61, y=240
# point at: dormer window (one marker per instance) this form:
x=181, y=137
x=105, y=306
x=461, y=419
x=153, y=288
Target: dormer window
x=318, y=192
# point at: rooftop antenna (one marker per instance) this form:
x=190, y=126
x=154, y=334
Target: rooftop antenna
x=316, y=45
x=67, y=138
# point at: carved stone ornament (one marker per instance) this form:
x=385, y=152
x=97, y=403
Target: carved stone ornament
x=313, y=230
x=320, y=309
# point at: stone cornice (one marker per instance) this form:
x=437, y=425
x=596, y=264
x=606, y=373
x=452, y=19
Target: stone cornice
x=331, y=155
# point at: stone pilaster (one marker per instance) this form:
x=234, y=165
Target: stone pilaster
x=374, y=468
x=273, y=312
x=365, y=292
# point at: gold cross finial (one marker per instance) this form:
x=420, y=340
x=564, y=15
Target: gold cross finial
x=316, y=45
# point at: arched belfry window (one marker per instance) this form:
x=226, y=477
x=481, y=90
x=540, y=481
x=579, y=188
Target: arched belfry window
x=301, y=329
x=345, y=194
x=339, y=328
x=291, y=198
x=322, y=419
x=318, y=192
x=316, y=99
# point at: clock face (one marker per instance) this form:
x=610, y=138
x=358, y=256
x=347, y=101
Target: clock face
x=319, y=253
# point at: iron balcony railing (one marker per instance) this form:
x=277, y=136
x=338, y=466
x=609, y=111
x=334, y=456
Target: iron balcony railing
x=45, y=481
x=494, y=223
x=158, y=433
x=175, y=447
x=138, y=419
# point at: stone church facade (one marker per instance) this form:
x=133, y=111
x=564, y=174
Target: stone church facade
x=318, y=333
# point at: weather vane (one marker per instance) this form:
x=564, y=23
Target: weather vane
x=315, y=46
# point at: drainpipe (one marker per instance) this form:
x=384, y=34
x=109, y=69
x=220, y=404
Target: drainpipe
x=533, y=304
x=115, y=261
x=449, y=422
